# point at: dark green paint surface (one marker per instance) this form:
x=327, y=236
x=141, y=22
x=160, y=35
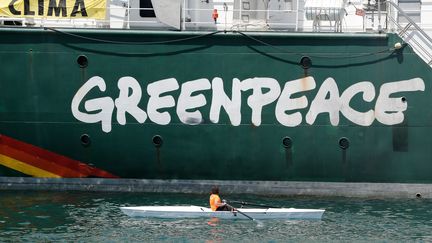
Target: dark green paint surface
x=40, y=76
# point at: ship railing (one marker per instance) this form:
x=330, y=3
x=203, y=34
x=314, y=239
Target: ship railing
x=120, y=15
x=298, y=22
x=124, y=16
x=236, y=21
x=409, y=31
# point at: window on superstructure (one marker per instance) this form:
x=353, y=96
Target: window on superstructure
x=288, y=5
x=146, y=9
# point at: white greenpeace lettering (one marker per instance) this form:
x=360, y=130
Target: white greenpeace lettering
x=360, y=118
x=157, y=102
x=187, y=102
x=104, y=104
x=323, y=105
x=258, y=99
x=388, y=109
x=220, y=99
x=126, y=103
x=286, y=103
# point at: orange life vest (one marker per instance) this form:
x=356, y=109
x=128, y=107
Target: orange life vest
x=214, y=200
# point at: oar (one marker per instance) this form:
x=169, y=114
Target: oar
x=247, y=216
x=254, y=204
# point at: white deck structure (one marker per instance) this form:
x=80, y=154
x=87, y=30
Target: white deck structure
x=411, y=19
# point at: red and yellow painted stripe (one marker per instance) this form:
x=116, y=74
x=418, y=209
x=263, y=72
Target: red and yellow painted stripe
x=38, y=162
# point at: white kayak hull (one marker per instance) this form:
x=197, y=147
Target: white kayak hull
x=203, y=212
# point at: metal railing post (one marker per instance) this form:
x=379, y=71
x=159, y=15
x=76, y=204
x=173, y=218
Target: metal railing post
x=379, y=16
x=297, y=15
x=184, y=15
x=128, y=13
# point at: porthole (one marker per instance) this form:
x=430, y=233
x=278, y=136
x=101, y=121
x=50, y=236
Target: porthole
x=305, y=62
x=287, y=142
x=344, y=143
x=82, y=61
x=157, y=141
x=85, y=140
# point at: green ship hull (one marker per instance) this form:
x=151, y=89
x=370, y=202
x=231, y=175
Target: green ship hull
x=214, y=106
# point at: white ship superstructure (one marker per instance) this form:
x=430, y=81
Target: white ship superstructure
x=411, y=19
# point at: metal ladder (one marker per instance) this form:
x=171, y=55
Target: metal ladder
x=411, y=33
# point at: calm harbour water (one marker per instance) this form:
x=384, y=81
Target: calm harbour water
x=95, y=217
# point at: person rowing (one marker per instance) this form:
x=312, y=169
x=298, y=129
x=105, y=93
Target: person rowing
x=215, y=202
x=217, y=205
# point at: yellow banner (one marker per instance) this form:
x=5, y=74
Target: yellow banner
x=88, y=9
